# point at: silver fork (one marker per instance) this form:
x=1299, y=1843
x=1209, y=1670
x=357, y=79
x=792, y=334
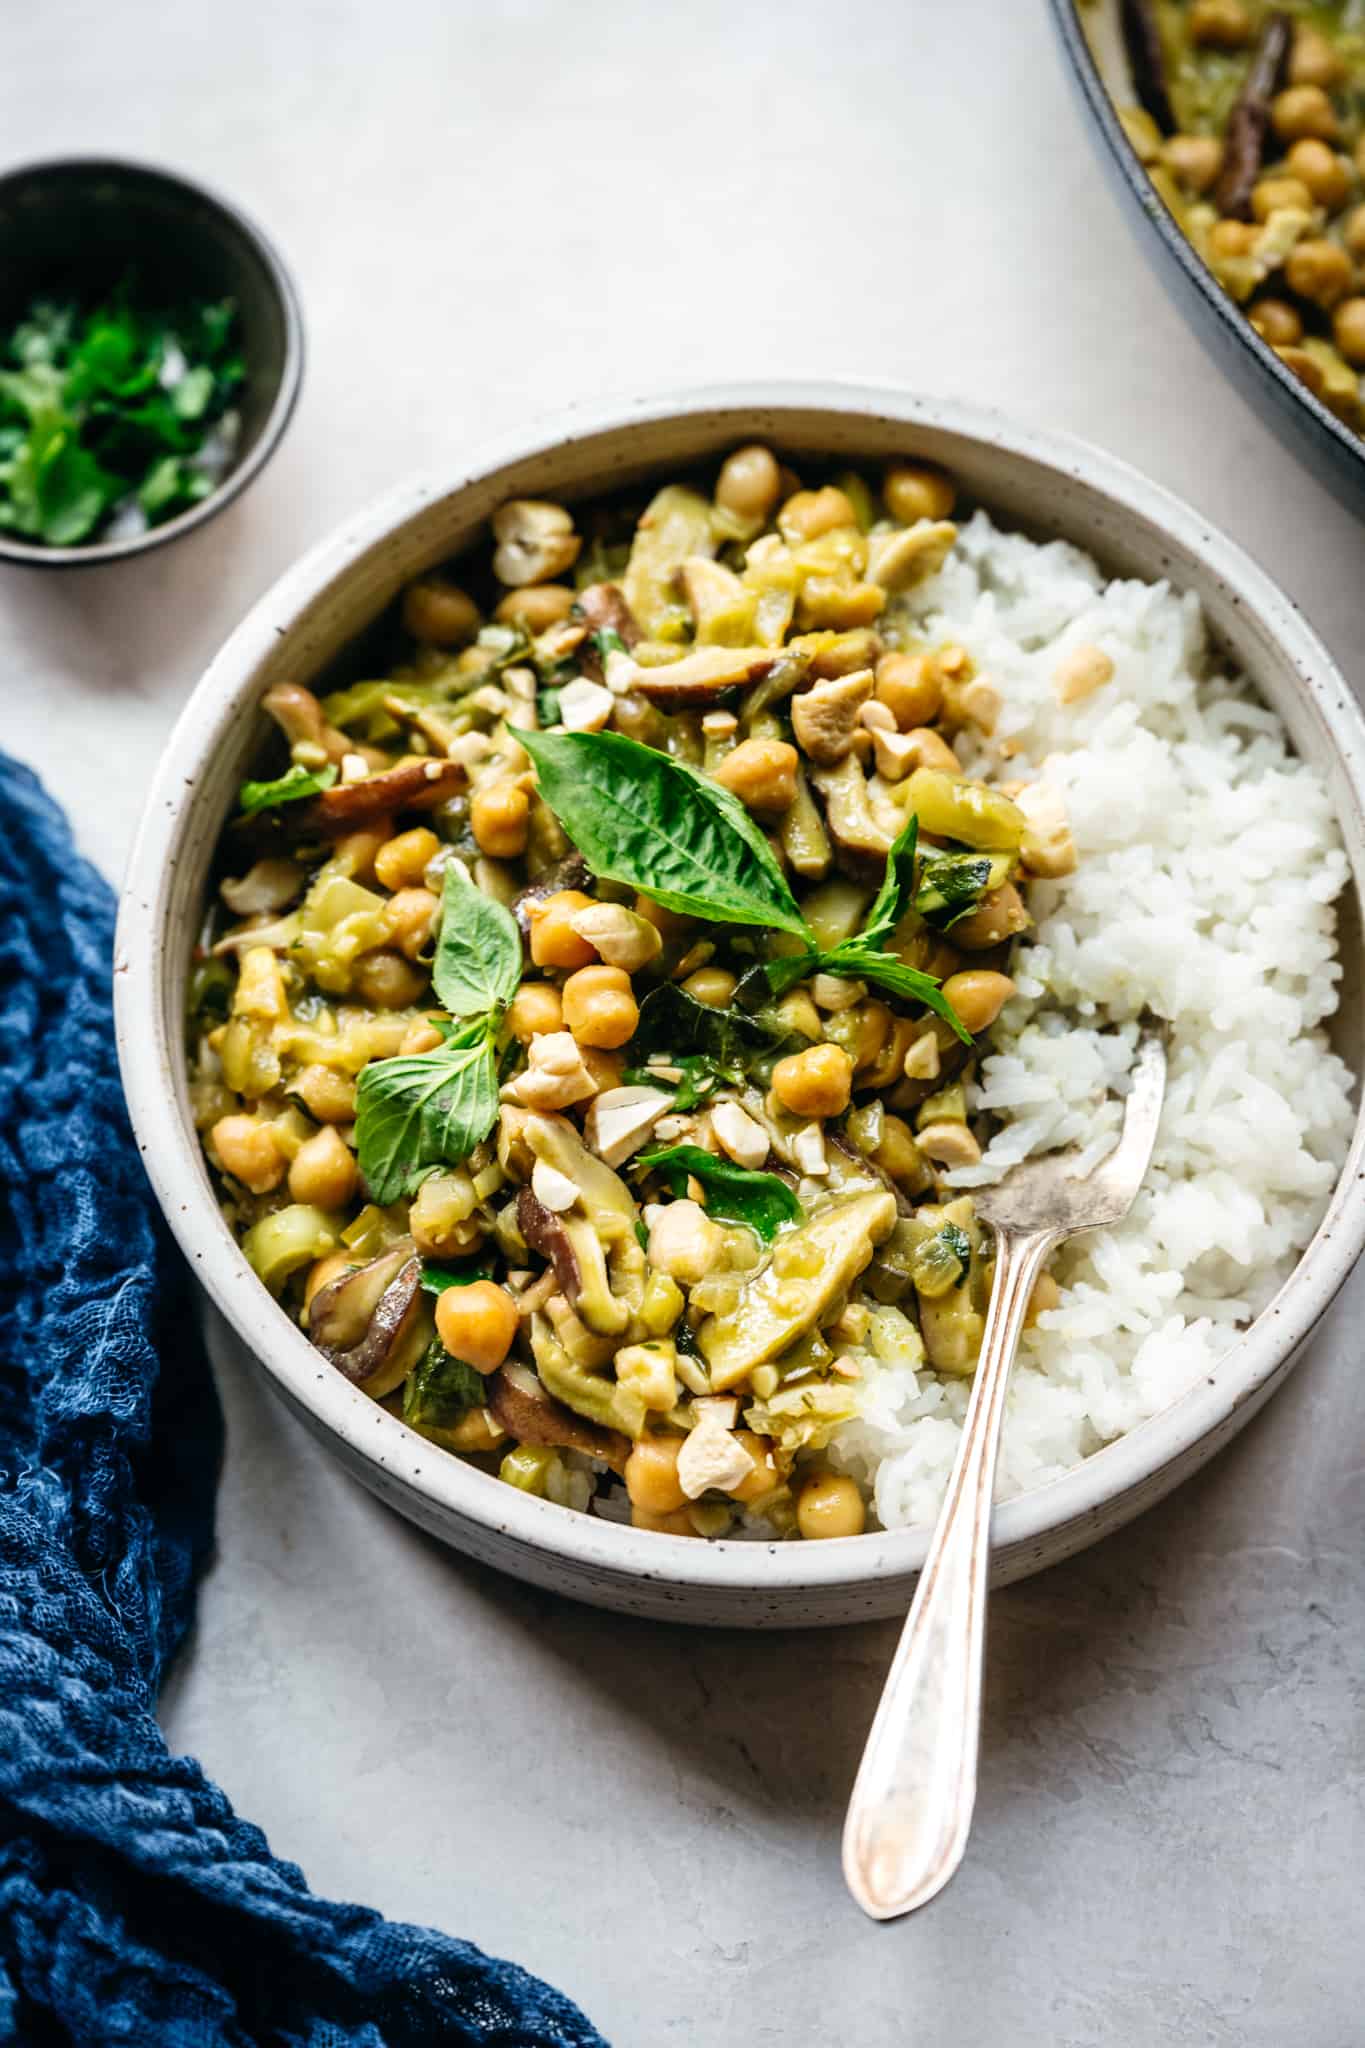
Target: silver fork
x=911, y=1810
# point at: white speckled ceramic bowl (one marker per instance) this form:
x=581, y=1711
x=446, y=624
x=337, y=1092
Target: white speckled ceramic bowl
x=1047, y=484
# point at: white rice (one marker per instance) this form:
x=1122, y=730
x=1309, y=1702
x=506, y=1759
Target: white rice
x=1209, y=862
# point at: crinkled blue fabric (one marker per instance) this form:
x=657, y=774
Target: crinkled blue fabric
x=135, y=1906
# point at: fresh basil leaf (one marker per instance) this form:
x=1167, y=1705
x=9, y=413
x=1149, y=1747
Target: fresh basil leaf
x=735, y=1194
x=639, y=818
x=951, y=884
x=547, y=707
x=440, y=1390
x=436, y=1278
x=785, y=973
x=700, y=1078
x=733, y=1040
x=296, y=782
x=866, y=963
x=958, y=1243
x=478, y=954
x=897, y=883
x=421, y=1110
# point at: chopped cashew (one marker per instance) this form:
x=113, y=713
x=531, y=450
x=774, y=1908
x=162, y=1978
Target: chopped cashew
x=832, y=992
x=1047, y=847
x=981, y=704
x=621, y=1119
x=738, y=1136
x=556, y=1075
x=269, y=885
x=922, y=1060
x=1080, y=672
x=553, y=1189
x=622, y=938
x=948, y=1144
x=585, y=706
x=825, y=717
x=684, y=1242
x=808, y=1150
x=712, y=1457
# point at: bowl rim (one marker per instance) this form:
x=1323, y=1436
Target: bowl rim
x=282, y=405
x=1291, y=393
x=405, y=1465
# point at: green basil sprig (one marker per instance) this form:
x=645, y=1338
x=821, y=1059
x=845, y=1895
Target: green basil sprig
x=734, y=1194
x=441, y=1390
x=419, y=1111
x=296, y=782
x=639, y=818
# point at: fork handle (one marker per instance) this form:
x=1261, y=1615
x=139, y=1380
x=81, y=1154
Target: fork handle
x=911, y=1809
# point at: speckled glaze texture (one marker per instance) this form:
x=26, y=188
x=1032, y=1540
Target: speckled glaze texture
x=1100, y=72
x=1048, y=485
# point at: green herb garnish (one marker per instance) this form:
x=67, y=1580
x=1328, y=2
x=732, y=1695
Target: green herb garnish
x=639, y=818
x=734, y=1194
x=438, y=1279
x=440, y=1390
x=111, y=407
x=296, y=782
x=478, y=955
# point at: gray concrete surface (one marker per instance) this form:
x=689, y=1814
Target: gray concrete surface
x=495, y=210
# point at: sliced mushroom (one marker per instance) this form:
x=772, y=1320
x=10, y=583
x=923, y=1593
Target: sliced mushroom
x=520, y=1403
x=278, y=933
x=1146, y=61
x=411, y=786
x=268, y=886
x=807, y=1272
x=360, y=1322
x=605, y=610
x=861, y=840
x=1249, y=122
x=598, y=1258
x=536, y=542
x=722, y=609
x=581, y=1382
x=303, y=722
x=702, y=676
x=825, y=717
x=896, y=561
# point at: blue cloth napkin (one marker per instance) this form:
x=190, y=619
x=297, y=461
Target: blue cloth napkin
x=134, y=1905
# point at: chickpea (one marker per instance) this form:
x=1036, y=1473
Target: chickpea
x=1277, y=322
x=713, y=986
x=1358, y=156
x=604, y=1069
x=1046, y=1295
x=1321, y=171
x=685, y=1243
x=1220, y=24
x=1274, y=195
x=439, y=612
x=500, y=819
x=1348, y=330
x=898, y=1154
x=537, y=607
x=599, y=1007
x=1313, y=60
x=996, y=918
x=810, y=513
x=534, y=1008
x=913, y=491
x=1195, y=160
x=1303, y=110
x=420, y=1037
x=814, y=1083
x=910, y=687
x=409, y=916
x=477, y=1323
x=679, y=1523
x=327, y=1095
x=1231, y=238
x=829, y=1504
x=762, y=774
x=250, y=1152
x=554, y=942
x=750, y=483
x=324, y=1170
x=1353, y=231
x=401, y=863
x=388, y=980
x=765, y=1475
x=323, y=1271
x=1319, y=271
x=356, y=853
x=1306, y=368
x=652, y=1474
x=978, y=996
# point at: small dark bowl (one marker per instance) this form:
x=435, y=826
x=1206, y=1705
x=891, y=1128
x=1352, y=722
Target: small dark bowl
x=1331, y=450
x=77, y=225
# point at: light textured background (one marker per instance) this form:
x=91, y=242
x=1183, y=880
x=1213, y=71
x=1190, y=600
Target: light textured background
x=495, y=210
